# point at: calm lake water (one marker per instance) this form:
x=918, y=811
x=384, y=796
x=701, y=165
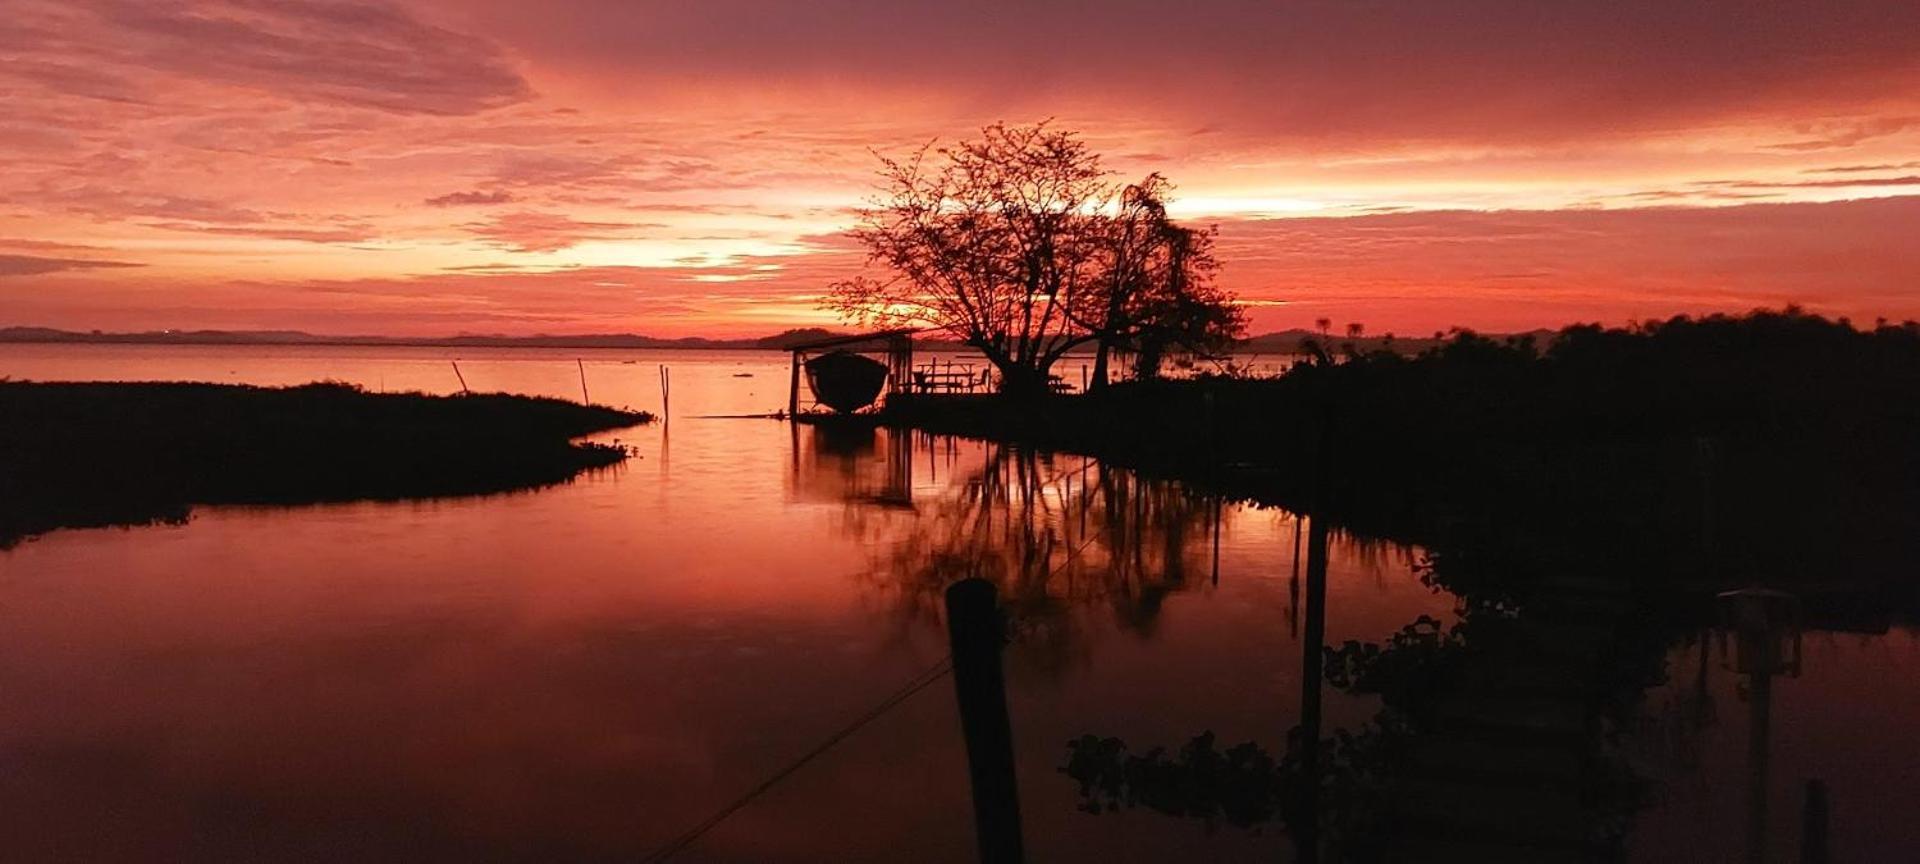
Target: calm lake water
x=586, y=671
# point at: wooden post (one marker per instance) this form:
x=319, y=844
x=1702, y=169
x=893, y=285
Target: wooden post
x=666, y=393
x=463, y=378
x=976, y=629
x=584, y=398
x=793, y=388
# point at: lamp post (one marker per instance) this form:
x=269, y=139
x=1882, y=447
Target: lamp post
x=1764, y=625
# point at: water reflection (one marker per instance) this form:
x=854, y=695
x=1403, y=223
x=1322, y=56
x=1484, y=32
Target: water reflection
x=1055, y=534
x=583, y=672
x=1778, y=769
x=1562, y=719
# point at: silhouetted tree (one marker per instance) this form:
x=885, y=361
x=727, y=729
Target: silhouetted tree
x=1158, y=294
x=1019, y=245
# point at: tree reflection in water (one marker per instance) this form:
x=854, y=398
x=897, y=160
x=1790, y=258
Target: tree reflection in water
x=1519, y=731
x=1056, y=534
x=1447, y=760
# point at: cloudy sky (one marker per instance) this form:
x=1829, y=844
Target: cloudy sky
x=441, y=166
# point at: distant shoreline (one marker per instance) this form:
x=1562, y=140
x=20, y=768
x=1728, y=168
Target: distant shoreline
x=1282, y=342
x=294, y=338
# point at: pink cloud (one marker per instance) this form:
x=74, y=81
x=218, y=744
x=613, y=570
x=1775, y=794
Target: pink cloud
x=371, y=54
x=548, y=232
x=468, y=199
x=1484, y=71
x=33, y=265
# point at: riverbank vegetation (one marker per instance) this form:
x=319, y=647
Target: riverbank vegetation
x=78, y=455
x=1776, y=446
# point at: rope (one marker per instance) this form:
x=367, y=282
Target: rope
x=915, y=685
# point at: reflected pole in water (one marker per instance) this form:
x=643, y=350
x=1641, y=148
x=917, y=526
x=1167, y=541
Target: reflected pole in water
x=1759, y=732
x=1216, y=540
x=1312, y=666
x=1293, y=585
x=976, y=630
x=1813, y=825
x=1766, y=629
x=899, y=488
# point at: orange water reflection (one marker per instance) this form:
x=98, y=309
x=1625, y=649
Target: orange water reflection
x=582, y=672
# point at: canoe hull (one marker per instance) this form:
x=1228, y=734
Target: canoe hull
x=846, y=382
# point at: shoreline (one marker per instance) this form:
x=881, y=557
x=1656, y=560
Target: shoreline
x=1695, y=457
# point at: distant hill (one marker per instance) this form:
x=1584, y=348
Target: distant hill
x=1282, y=342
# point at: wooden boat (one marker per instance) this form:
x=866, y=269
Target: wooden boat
x=844, y=381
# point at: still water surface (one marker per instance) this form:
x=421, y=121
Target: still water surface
x=583, y=672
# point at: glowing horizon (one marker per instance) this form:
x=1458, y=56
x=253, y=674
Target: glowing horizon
x=425, y=168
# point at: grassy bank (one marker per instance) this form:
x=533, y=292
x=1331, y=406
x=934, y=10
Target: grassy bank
x=1775, y=447
x=78, y=455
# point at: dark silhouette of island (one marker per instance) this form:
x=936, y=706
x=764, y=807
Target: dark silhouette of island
x=82, y=455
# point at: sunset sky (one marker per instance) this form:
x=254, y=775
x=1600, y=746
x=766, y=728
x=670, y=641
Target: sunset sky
x=432, y=167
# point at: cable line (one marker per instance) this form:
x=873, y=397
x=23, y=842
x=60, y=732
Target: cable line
x=916, y=684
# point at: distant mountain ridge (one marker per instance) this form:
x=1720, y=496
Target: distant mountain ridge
x=1280, y=342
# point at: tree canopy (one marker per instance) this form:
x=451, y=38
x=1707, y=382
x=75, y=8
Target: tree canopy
x=1021, y=245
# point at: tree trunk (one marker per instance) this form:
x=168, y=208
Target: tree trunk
x=1099, y=380
x=1022, y=381
x=1146, y=364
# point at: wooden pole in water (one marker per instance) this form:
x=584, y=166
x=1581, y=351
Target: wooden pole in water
x=666, y=392
x=793, y=388
x=463, y=378
x=584, y=398
x=976, y=629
